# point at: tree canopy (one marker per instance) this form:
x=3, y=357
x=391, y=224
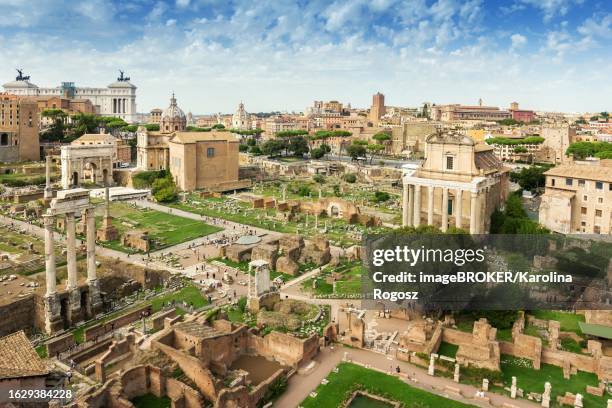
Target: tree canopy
x=582, y=150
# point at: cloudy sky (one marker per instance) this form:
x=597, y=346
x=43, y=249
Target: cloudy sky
x=282, y=55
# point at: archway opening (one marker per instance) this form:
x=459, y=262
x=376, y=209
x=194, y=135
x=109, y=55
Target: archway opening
x=4, y=139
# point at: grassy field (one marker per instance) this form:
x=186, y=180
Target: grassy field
x=348, y=284
x=447, y=349
x=531, y=380
x=244, y=267
x=164, y=229
x=242, y=213
x=351, y=377
x=190, y=294
x=569, y=321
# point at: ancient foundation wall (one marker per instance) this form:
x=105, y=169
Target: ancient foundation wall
x=285, y=348
x=456, y=337
x=193, y=368
x=60, y=344
x=123, y=320
x=22, y=312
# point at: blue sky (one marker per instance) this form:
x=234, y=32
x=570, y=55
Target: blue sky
x=282, y=55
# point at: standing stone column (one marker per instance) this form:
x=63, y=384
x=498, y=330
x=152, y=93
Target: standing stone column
x=71, y=252
x=513, y=388
x=49, y=255
x=74, y=294
x=417, y=205
x=52, y=307
x=411, y=204
x=94, y=305
x=444, y=209
x=474, y=213
x=48, y=193
x=405, y=205
x=546, y=395
x=432, y=365
x=430, y=205
x=459, y=207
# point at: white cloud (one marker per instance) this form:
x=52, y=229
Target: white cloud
x=182, y=3
x=552, y=8
x=518, y=40
x=278, y=55
x=597, y=27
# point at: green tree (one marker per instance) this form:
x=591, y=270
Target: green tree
x=381, y=137
x=356, y=150
x=317, y=153
x=243, y=148
x=273, y=147
x=530, y=178
x=255, y=150
x=374, y=149
x=164, y=190
x=218, y=126
x=381, y=196
x=298, y=145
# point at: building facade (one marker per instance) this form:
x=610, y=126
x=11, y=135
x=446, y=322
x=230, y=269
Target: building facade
x=460, y=184
x=117, y=99
x=450, y=113
x=204, y=161
x=577, y=198
x=196, y=160
x=378, y=107
x=18, y=129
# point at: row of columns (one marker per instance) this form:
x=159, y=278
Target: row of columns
x=411, y=207
x=119, y=105
x=74, y=296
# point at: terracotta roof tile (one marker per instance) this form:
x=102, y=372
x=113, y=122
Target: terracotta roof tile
x=18, y=358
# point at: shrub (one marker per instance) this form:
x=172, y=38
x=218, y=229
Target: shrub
x=319, y=178
x=381, y=196
x=350, y=178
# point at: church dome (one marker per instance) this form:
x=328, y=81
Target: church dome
x=240, y=119
x=173, y=118
x=173, y=111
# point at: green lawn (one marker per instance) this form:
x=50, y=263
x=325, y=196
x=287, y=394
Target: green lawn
x=348, y=283
x=531, y=380
x=569, y=321
x=164, y=229
x=265, y=218
x=244, y=267
x=351, y=377
x=151, y=401
x=447, y=349
x=189, y=294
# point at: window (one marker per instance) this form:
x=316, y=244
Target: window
x=600, y=200
x=598, y=185
x=585, y=198
x=450, y=207
x=450, y=163
x=210, y=152
x=598, y=213
x=552, y=182
x=569, y=181
x=581, y=183
x=583, y=210
x=597, y=229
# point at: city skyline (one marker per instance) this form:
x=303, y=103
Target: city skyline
x=275, y=56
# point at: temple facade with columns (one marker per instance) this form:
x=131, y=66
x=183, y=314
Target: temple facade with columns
x=459, y=184
x=67, y=204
